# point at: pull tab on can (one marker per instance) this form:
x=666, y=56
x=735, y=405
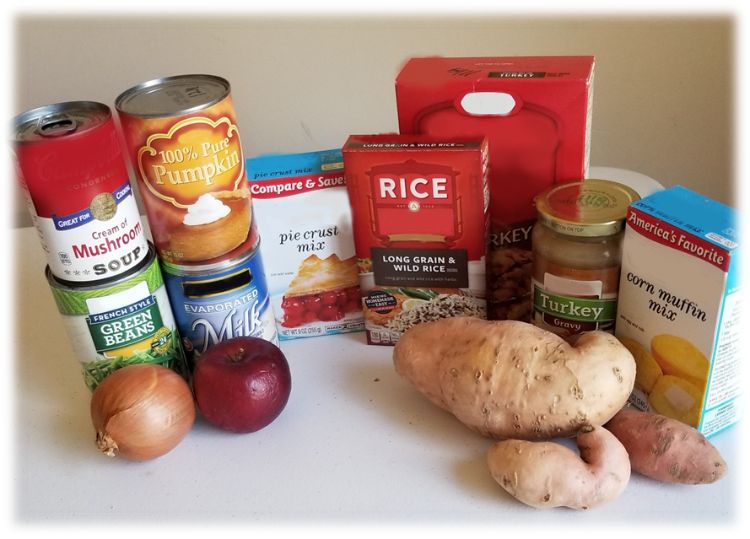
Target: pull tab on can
x=56, y=125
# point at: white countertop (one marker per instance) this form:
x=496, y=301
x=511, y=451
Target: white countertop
x=355, y=444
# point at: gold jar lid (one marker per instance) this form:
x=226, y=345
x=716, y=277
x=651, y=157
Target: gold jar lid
x=587, y=208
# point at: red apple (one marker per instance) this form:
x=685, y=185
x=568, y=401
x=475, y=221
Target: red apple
x=242, y=384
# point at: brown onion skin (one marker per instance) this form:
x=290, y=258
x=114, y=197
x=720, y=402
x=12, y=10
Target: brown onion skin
x=141, y=412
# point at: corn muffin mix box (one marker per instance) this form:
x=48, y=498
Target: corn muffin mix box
x=302, y=208
x=679, y=307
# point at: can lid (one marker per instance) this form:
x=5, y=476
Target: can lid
x=197, y=270
x=586, y=208
x=59, y=120
x=172, y=96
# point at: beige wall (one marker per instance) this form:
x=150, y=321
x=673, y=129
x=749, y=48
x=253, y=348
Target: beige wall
x=663, y=100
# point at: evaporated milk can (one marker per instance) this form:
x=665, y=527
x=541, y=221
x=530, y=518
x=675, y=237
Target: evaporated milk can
x=72, y=170
x=218, y=302
x=123, y=321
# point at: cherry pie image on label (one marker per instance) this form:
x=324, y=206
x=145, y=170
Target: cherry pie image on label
x=324, y=290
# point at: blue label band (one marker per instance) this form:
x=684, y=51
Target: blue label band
x=80, y=218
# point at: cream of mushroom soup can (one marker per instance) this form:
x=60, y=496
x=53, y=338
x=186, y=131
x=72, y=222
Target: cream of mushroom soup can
x=123, y=321
x=71, y=167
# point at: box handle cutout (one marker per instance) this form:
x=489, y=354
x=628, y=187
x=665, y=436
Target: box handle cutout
x=488, y=104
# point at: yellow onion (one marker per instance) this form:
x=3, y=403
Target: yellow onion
x=141, y=412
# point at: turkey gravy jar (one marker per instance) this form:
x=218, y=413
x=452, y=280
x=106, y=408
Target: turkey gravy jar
x=576, y=245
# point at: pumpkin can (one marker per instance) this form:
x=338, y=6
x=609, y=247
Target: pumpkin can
x=184, y=145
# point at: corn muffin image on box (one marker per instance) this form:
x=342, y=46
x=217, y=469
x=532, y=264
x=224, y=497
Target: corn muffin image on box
x=679, y=307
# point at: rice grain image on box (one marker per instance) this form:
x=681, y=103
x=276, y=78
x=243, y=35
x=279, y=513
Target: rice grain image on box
x=185, y=147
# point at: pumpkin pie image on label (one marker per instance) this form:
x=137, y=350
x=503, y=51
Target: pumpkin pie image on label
x=215, y=224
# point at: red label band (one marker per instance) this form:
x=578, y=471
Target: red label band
x=284, y=187
x=671, y=236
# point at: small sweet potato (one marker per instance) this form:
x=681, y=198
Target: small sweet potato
x=666, y=449
x=547, y=474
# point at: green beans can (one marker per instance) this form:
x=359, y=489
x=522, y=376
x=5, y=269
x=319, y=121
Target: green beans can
x=120, y=322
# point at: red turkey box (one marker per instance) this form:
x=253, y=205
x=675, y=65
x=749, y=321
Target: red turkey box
x=419, y=213
x=536, y=114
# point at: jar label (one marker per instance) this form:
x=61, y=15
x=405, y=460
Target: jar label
x=585, y=310
x=568, y=306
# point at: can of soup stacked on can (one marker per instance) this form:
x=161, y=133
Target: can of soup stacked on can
x=183, y=141
x=72, y=170
x=119, y=322
x=216, y=302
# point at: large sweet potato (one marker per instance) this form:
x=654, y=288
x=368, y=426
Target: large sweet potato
x=509, y=379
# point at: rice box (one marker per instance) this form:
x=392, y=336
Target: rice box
x=679, y=308
x=419, y=208
x=301, y=205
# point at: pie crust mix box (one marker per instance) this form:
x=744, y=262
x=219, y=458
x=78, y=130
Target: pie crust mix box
x=302, y=209
x=679, y=308
x=536, y=114
x=419, y=209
